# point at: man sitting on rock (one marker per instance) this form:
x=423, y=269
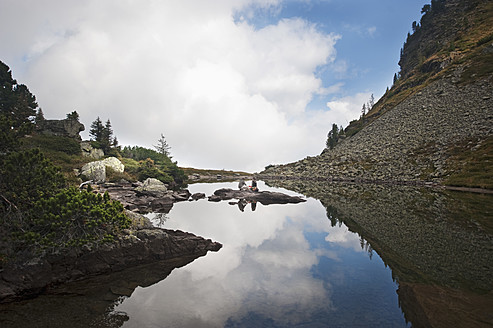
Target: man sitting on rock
x=254, y=184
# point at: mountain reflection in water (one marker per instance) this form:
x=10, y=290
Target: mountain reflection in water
x=352, y=255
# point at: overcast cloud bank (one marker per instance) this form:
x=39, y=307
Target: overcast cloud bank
x=225, y=93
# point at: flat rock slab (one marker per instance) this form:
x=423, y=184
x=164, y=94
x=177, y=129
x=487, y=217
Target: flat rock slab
x=263, y=197
x=137, y=247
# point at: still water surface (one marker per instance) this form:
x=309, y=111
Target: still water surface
x=350, y=256
x=280, y=266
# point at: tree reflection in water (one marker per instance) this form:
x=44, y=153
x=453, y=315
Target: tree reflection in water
x=437, y=243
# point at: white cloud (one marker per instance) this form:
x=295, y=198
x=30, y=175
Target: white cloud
x=371, y=30
x=343, y=110
x=225, y=94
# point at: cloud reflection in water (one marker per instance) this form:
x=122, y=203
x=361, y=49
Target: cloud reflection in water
x=265, y=266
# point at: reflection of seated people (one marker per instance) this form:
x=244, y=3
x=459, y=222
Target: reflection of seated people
x=241, y=204
x=254, y=184
x=254, y=206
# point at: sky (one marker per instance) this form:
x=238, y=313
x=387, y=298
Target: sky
x=231, y=84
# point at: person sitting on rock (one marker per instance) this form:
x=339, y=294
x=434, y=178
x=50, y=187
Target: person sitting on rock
x=254, y=184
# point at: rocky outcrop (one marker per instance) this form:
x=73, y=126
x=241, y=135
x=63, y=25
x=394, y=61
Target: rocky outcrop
x=135, y=197
x=64, y=128
x=409, y=142
x=263, y=197
x=89, y=151
x=152, y=186
x=142, y=245
x=96, y=171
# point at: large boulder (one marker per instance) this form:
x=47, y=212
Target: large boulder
x=114, y=163
x=65, y=128
x=89, y=151
x=96, y=171
x=152, y=185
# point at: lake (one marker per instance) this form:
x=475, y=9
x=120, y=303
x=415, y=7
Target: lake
x=350, y=256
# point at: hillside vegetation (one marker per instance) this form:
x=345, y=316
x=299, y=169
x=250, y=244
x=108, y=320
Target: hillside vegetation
x=435, y=124
x=42, y=209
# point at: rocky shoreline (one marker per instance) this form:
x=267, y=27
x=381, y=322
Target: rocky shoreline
x=143, y=244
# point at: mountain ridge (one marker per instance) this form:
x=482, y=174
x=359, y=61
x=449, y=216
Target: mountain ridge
x=435, y=124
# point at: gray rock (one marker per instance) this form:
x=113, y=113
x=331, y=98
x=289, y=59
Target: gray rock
x=114, y=163
x=197, y=196
x=152, y=185
x=263, y=197
x=89, y=151
x=96, y=171
x=64, y=128
x=143, y=246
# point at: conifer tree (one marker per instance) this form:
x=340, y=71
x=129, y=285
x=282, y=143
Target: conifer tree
x=73, y=116
x=39, y=116
x=333, y=136
x=17, y=109
x=162, y=147
x=107, y=137
x=96, y=131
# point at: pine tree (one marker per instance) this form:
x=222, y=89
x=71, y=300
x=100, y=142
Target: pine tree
x=333, y=136
x=162, y=147
x=39, y=116
x=73, y=116
x=96, y=131
x=17, y=109
x=106, y=137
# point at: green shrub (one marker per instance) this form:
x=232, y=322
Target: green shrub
x=147, y=169
x=65, y=145
x=152, y=165
x=114, y=176
x=73, y=218
x=28, y=176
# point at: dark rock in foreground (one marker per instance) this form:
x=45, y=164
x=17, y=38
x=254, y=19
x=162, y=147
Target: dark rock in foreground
x=137, y=247
x=87, y=303
x=263, y=197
